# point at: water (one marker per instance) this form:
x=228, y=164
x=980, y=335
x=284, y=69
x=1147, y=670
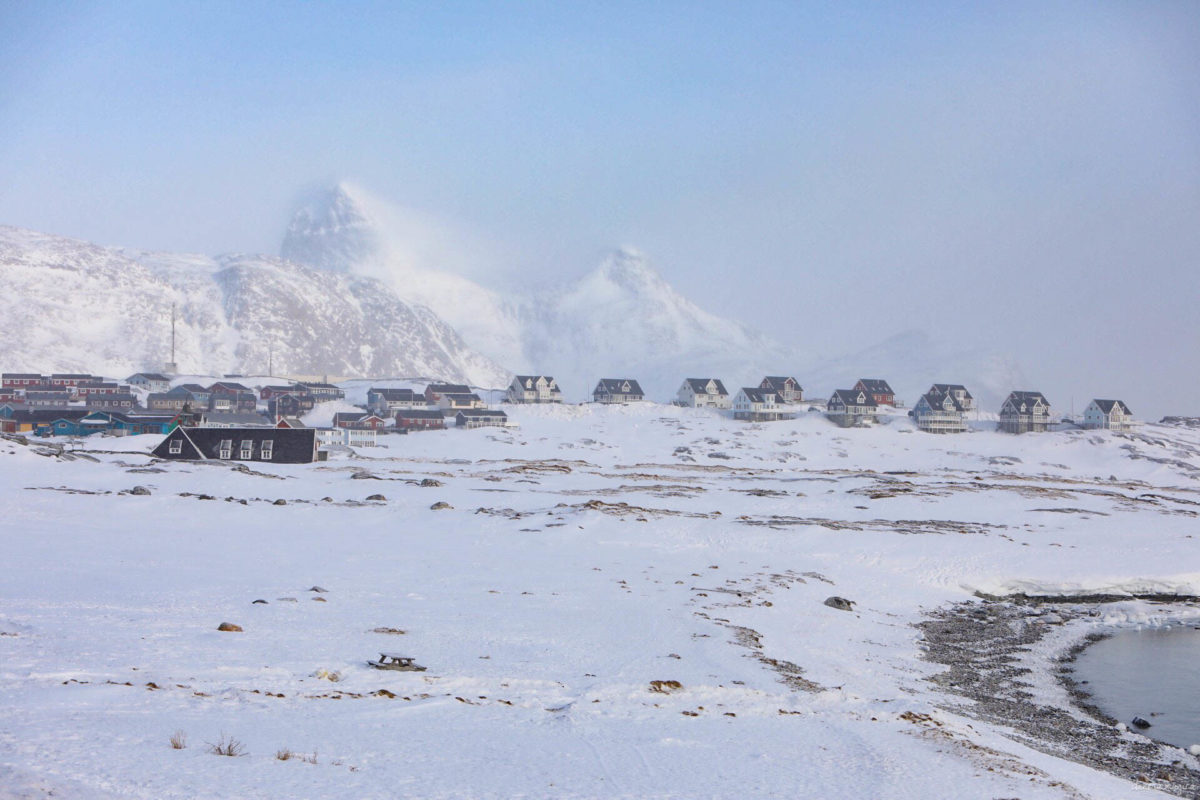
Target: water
x=1153, y=674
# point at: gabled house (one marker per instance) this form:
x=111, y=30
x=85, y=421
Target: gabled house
x=939, y=413
x=1112, y=415
x=533, y=389
x=788, y=390
x=618, y=390
x=386, y=401
x=757, y=405
x=851, y=407
x=480, y=418
x=878, y=389
x=703, y=393
x=289, y=405
x=1025, y=412
x=150, y=381
x=231, y=419
x=420, y=419
x=71, y=379
x=358, y=420
x=957, y=391
x=324, y=392
x=47, y=398
x=452, y=397
x=21, y=379
x=199, y=395
x=124, y=401
x=276, y=445
x=435, y=391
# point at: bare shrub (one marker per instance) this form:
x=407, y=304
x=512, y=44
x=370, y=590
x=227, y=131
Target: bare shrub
x=284, y=754
x=227, y=746
x=309, y=759
x=178, y=740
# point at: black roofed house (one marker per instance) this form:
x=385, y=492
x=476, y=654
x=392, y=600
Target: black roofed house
x=289, y=405
x=618, y=390
x=879, y=390
x=232, y=419
x=435, y=391
x=956, y=390
x=703, y=393
x=122, y=401
x=939, y=413
x=480, y=418
x=788, y=390
x=71, y=379
x=385, y=401
x=276, y=445
x=757, y=405
x=324, y=392
x=851, y=408
x=420, y=419
x=18, y=379
x=1025, y=412
x=533, y=389
x=1112, y=415
x=358, y=420
x=150, y=381
x=450, y=399
x=46, y=398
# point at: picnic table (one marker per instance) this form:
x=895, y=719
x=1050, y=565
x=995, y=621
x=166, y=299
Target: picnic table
x=397, y=662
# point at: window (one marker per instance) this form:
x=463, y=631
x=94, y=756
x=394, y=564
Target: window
x=268, y=447
x=226, y=448
x=176, y=447
x=247, y=450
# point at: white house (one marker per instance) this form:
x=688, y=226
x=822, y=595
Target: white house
x=703, y=393
x=150, y=381
x=851, y=407
x=618, y=390
x=480, y=418
x=939, y=413
x=387, y=401
x=1025, y=412
x=1112, y=415
x=534, y=389
x=788, y=390
x=757, y=405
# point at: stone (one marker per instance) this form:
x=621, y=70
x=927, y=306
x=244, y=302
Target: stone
x=665, y=687
x=318, y=590
x=229, y=627
x=280, y=502
x=430, y=482
x=1139, y=723
x=840, y=603
x=377, y=497
x=439, y=505
x=259, y=602
x=141, y=491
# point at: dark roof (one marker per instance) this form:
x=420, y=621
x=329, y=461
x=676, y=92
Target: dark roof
x=392, y=394
x=448, y=388
x=348, y=416
x=461, y=395
x=946, y=388
x=777, y=382
x=194, y=388
x=614, y=386
x=420, y=413
x=48, y=414
x=20, y=375
x=700, y=385
x=1029, y=398
x=850, y=397
x=72, y=375
x=228, y=385
x=150, y=376
x=290, y=445
x=1106, y=406
x=481, y=412
x=238, y=418
x=320, y=386
x=876, y=385
x=756, y=395
x=938, y=399
x=533, y=378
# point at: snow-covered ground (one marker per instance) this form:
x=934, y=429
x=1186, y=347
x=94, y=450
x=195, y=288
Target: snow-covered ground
x=586, y=554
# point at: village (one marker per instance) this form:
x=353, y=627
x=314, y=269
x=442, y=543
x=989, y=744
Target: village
x=203, y=422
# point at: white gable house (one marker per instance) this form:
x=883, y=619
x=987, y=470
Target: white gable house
x=1111, y=415
x=757, y=405
x=618, y=390
x=939, y=413
x=851, y=407
x=534, y=389
x=703, y=393
x=1025, y=412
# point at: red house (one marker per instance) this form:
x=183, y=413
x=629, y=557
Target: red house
x=878, y=389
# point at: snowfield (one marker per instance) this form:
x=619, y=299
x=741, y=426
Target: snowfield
x=585, y=554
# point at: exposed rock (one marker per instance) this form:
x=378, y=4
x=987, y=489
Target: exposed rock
x=439, y=505
x=377, y=497
x=230, y=627
x=318, y=589
x=428, y=482
x=319, y=599
x=287, y=599
x=280, y=502
x=259, y=602
x=840, y=603
x=140, y=491
x=665, y=687
x=1140, y=723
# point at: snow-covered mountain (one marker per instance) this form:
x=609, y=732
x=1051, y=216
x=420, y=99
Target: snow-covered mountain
x=70, y=305
x=620, y=320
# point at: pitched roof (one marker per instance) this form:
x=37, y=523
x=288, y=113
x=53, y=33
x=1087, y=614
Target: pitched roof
x=392, y=394
x=1028, y=398
x=420, y=413
x=876, y=385
x=481, y=412
x=150, y=376
x=533, y=378
x=938, y=400
x=236, y=418
x=1106, y=406
x=290, y=445
x=616, y=386
x=448, y=388
x=850, y=397
x=778, y=382
x=348, y=416
x=947, y=388
x=700, y=385
x=756, y=395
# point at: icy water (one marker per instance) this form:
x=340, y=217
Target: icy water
x=1153, y=674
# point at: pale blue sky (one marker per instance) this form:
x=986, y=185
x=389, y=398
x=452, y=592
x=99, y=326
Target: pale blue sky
x=1025, y=174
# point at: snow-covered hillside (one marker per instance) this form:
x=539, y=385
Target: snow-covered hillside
x=73, y=306
x=618, y=602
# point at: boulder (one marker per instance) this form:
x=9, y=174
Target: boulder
x=280, y=502
x=1140, y=723
x=229, y=627
x=840, y=603
x=377, y=497
x=318, y=590
x=259, y=602
x=440, y=505
x=430, y=482
x=141, y=491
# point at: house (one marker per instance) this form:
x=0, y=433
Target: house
x=480, y=418
x=118, y=401
x=957, y=391
x=788, y=390
x=386, y=401
x=11, y=380
x=757, y=405
x=85, y=390
x=358, y=420
x=265, y=393
x=420, y=419
x=702, y=393
x=435, y=391
x=289, y=405
x=324, y=392
x=277, y=445
x=200, y=396
x=939, y=413
x=122, y=424
x=1111, y=415
x=852, y=407
x=452, y=397
x=1025, y=412
x=150, y=381
x=70, y=379
x=533, y=389
x=289, y=422
x=878, y=389
x=39, y=421
x=45, y=398
x=229, y=396
x=232, y=419
x=618, y=390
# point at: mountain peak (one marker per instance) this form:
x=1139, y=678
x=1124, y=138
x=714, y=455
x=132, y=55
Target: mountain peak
x=333, y=230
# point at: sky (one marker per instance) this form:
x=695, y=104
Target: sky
x=1020, y=176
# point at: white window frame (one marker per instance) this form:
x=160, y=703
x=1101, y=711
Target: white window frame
x=225, y=451
x=246, y=451
x=176, y=447
x=267, y=451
